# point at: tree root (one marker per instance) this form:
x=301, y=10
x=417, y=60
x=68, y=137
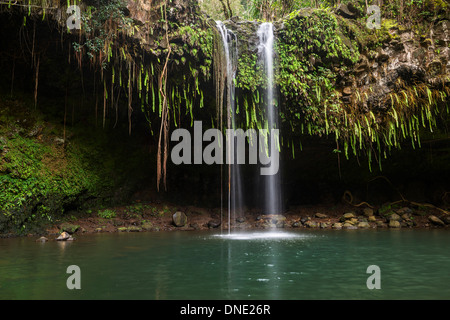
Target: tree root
x=348, y=198
x=348, y=194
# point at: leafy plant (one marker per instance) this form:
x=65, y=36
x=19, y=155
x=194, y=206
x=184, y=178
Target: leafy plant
x=107, y=214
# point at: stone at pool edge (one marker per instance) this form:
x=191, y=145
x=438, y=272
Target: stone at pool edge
x=42, y=239
x=436, y=221
x=64, y=236
x=394, y=224
x=179, y=219
x=215, y=223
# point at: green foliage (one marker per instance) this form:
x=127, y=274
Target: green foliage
x=215, y=9
x=311, y=48
x=107, y=214
x=101, y=24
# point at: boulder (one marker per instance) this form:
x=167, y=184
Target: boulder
x=349, y=226
x=394, y=224
x=42, y=239
x=363, y=224
x=348, y=11
x=337, y=225
x=296, y=224
x=394, y=217
x=321, y=215
x=179, y=219
x=64, y=236
x=347, y=216
x=311, y=224
x=304, y=219
x=213, y=223
x=436, y=221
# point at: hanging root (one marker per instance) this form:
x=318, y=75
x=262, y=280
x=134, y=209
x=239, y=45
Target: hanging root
x=407, y=202
x=348, y=198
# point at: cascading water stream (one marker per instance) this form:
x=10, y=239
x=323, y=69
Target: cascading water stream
x=272, y=191
x=235, y=197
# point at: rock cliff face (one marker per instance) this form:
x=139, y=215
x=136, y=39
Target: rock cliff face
x=406, y=58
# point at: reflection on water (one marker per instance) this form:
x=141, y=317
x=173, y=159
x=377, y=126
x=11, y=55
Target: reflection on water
x=327, y=264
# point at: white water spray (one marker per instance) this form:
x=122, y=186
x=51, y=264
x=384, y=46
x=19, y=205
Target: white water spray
x=272, y=202
x=235, y=197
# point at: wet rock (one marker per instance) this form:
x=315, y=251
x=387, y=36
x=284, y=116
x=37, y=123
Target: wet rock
x=324, y=225
x=42, y=239
x=64, y=236
x=240, y=220
x=311, y=224
x=347, y=216
x=349, y=226
x=179, y=219
x=337, y=225
x=394, y=224
x=436, y=221
x=406, y=216
x=303, y=220
x=321, y=215
x=372, y=219
x=278, y=220
x=296, y=224
x=272, y=221
x=394, y=217
x=363, y=224
x=213, y=223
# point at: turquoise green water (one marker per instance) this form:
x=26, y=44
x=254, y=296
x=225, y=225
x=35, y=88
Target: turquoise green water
x=414, y=264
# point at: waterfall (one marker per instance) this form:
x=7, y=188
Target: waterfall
x=234, y=185
x=272, y=186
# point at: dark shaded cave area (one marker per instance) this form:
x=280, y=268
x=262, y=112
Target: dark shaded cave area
x=72, y=98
